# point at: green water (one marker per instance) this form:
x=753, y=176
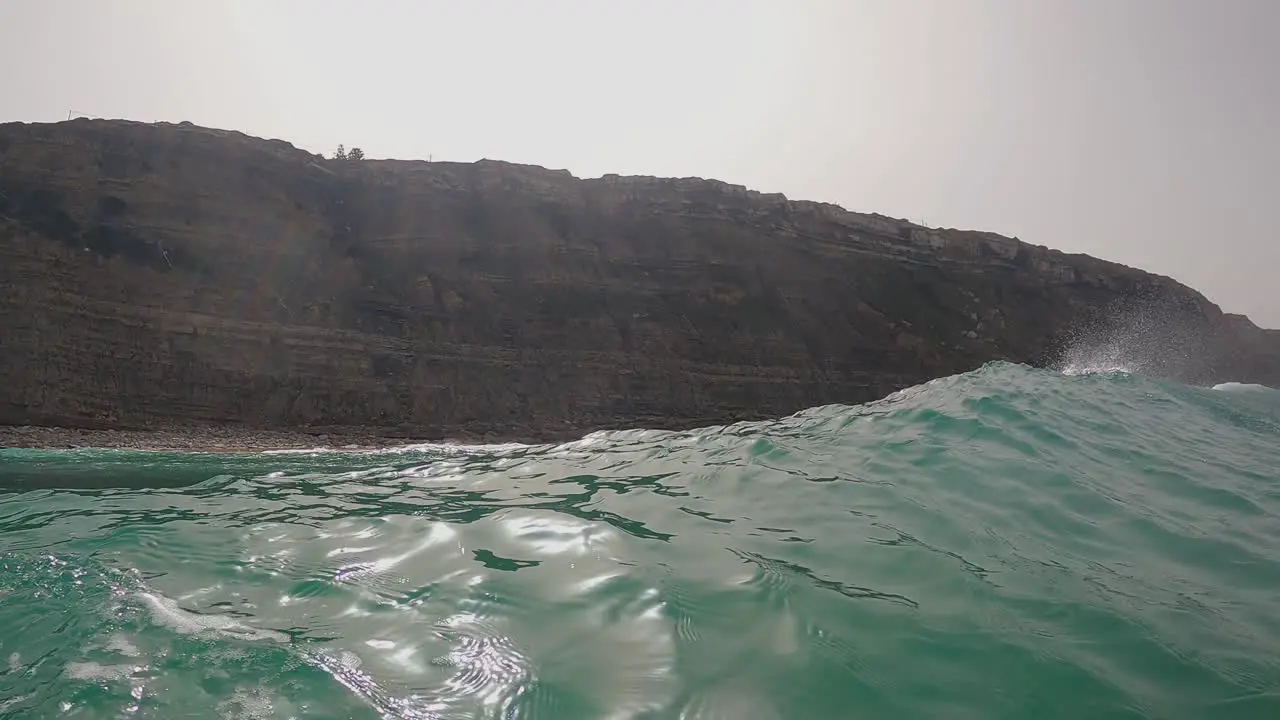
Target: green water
x=1010, y=543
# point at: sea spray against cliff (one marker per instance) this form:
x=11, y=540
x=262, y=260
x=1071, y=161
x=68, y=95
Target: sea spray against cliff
x=1144, y=333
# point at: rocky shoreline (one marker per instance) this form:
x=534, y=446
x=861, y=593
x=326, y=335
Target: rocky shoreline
x=217, y=439
x=158, y=276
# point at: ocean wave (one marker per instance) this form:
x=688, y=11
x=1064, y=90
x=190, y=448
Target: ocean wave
x=987, y=544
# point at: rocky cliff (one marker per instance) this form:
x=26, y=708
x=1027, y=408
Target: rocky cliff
x=156, y=274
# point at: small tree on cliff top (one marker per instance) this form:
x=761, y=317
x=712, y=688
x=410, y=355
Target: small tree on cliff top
x=353, y=154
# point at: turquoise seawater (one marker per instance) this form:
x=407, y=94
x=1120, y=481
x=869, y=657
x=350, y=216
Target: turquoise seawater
x=1008, y=543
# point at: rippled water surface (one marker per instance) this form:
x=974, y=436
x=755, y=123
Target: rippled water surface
x=1010, y=543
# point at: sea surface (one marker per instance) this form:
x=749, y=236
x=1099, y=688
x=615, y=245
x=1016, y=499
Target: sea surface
x=1007, y=543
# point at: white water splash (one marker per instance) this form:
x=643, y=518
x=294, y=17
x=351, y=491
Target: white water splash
x=1098, y=369
x=1104, y=359
x=1146, y=337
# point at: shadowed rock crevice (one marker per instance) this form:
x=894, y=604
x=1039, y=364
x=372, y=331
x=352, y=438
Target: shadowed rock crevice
x=153, y=275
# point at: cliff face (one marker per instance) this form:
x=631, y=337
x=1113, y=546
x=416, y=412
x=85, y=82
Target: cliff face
x=161, y=274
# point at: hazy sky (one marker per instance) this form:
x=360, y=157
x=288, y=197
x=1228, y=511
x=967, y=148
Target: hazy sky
x=1142, y=131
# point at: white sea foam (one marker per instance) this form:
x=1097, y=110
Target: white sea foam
x=97, y=672
x=122, y=645
x=165, y=611
x=254, y=704
x=1101, y=369
x=1243, y=387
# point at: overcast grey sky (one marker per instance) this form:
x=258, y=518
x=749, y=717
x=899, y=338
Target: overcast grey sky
x=1142, y=131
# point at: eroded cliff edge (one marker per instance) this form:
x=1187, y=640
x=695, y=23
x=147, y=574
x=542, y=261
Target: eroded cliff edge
x=157, y=274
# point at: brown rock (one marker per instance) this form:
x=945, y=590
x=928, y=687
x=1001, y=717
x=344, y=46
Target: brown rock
x=169, y=275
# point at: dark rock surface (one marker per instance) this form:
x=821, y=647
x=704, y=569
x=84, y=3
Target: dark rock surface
x=224, y=438
x=156, y=274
